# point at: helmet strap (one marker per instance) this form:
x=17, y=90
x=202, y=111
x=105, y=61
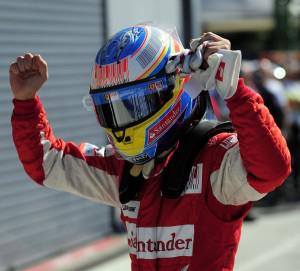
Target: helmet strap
x=131, y=183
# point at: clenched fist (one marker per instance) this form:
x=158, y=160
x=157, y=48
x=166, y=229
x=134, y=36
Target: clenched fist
x=27, y=75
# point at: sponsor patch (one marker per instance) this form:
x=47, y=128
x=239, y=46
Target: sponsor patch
x=160, y=242
x=220, y=71
x=89, y=149
x=131, y=209
x=194, y=185
x=229, y=142
x=164, y=124
x=92, y=150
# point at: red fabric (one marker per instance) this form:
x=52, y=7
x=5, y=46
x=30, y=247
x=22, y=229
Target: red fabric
x=29, y=119
x=217, y=227
x=216, y=107
x=26, y=126
x=263, y=149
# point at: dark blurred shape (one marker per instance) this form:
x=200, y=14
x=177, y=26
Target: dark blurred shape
x=186, y=21
x=269, y=98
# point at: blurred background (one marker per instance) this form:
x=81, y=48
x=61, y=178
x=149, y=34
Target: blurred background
x=38, y=224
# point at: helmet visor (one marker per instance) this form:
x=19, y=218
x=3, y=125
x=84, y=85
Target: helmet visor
x=128, y=104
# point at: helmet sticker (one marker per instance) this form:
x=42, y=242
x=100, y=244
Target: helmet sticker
x=164, y=123
x=111, y=74
x=150, y=52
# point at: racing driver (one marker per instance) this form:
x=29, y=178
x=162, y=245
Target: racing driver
x=183, y=194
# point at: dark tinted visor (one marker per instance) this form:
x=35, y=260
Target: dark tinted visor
x=126, y=105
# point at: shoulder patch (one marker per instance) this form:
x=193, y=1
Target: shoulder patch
x=229, y=142
x=89, y=149
x=92, y=150
x=194, y=185
x=131, y=209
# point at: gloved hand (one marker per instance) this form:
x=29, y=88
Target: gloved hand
x=211, y=63
x=187, y=61
x=222, y=73
x=27, y=75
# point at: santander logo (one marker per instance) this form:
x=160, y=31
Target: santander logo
x=160, y=242
x=164, y=124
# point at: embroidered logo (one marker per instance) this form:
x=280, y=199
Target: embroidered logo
x=194, y=185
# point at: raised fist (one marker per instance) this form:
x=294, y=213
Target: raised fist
x=27, y=74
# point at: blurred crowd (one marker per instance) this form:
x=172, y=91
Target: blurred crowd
x=279, y=86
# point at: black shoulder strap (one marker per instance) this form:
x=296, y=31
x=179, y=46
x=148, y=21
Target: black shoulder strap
x=176, y=175
x=130, y=185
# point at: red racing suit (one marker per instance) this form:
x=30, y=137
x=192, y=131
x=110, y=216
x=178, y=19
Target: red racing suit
x=200, y=230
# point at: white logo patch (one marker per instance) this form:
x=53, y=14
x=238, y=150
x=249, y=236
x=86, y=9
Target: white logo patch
x=131, y=209
x=229, y=142
x=90, y=149
x=194, y=185
x=160, y=242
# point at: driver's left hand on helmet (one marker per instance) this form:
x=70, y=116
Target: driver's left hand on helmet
x=211, y=63
x=221, y=66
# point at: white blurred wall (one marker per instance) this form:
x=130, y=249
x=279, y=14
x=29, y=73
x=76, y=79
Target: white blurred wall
x=122, y=13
